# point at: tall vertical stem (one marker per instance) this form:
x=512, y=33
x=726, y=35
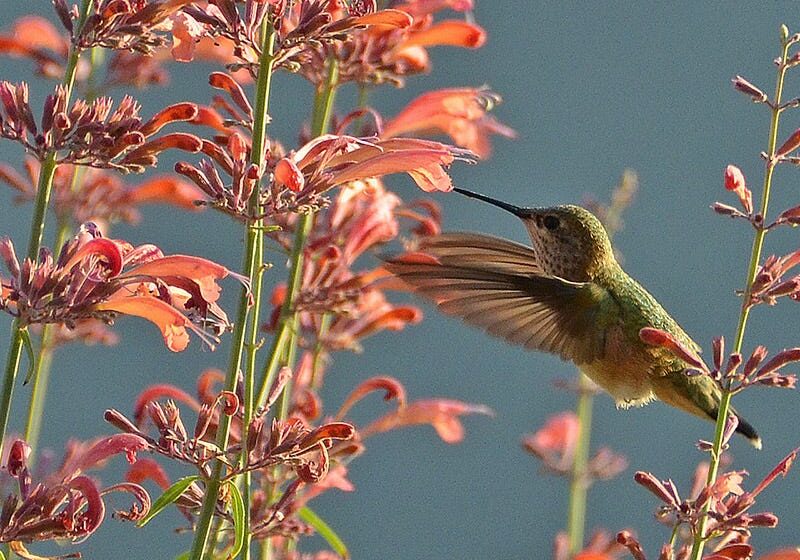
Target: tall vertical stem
x=579, y=480
x=285, y=341
x=41, y=203
x=252, y=269
x=752, y=269
x=44, y=357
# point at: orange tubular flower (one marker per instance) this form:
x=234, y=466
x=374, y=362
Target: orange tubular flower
x=97, y=278
x=442, y=414
x=461, y=113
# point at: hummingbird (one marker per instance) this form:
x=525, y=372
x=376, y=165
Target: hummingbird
x=566, y=294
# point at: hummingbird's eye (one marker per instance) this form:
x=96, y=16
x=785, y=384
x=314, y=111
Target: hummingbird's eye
x=551, y=222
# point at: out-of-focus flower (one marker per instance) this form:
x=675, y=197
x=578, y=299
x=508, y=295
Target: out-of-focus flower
x=783, y=554
x=554, y=444
x=442, y=414
x=36, y=38
x=98, y=195
x=91, y=133
x=384, y=53
x=98, y=278
x=67, y=504
x=460, y=113
x=601, y=546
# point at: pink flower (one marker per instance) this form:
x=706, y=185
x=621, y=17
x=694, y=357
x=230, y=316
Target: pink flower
x=95, y=277
x=555, y=442
x=734, y=181
x=442, y=414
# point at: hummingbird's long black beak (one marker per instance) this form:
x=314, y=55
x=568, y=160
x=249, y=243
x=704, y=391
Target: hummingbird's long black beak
x=516, y=210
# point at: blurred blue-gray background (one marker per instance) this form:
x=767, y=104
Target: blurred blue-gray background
x=591, y=91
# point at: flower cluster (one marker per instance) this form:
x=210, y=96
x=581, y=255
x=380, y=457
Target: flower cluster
x=266, y=442
x=90, y=133
x=724, y=501
x=98, y=278
x=66, y=504
x=309, y=459
x=100, y=196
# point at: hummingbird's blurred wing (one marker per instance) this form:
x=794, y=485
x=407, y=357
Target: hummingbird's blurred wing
x=497, y=284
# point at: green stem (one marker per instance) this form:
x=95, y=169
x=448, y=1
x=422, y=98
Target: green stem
x=252, y=269
x=755, y=259
x=579, y=480
x=41, y=203
x=44, y=358
x=285, y=340
x=284, y=345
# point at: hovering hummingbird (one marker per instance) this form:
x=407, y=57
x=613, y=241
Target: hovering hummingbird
x=566, y=295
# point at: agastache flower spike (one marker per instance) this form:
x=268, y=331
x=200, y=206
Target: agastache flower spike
x=91, y=133
x=66, y=504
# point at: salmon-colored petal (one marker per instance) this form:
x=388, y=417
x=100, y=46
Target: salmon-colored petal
x=442, y=414
x=148, y=469
x=169, y=320
x=425, y=167
x=397, y=19
x=783, y=554
x=451, y=32
x=167, y=190
x=36, y=32
x=289, y=175
x=203, y=271
x=392, y=388
x=158, y=392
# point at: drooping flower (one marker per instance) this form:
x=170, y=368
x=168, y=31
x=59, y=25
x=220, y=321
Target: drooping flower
x=66, y=504
x=734, y=181
x=99, y=278
x=460, y=113
x=442, y=414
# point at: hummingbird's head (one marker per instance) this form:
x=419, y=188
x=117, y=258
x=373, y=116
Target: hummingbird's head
x=569, y=241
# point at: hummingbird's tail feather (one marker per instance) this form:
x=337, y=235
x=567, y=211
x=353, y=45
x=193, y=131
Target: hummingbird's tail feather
x=747, y=430
x=698, y=395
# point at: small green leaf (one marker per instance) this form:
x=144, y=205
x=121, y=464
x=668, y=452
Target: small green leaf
x=239, y=520
x=183, y=555
x=2, y=556
x=169, y=496
x=26, y=342
x=324, y=530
